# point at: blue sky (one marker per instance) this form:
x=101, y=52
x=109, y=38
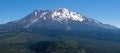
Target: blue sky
x=106, y=11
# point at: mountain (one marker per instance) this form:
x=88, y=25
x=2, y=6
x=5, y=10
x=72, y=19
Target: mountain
x=58, y=16
x=58, y=31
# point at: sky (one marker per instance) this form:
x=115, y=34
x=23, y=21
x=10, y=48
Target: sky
x=105, y=11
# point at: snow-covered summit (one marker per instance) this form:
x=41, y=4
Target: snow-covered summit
x=59, y=14
x=65, y=14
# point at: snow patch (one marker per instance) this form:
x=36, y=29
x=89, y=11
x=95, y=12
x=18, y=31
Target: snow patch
x=43, y=14
x=44, y=18
x=35, y=13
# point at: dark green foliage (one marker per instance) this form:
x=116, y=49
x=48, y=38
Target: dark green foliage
x=27, y=42
x=53, y=41
x=68, y=46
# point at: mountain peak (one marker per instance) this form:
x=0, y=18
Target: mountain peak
x=65, y=14
x=59, y=14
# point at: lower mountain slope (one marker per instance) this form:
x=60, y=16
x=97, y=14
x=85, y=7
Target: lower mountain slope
x=37, y=41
